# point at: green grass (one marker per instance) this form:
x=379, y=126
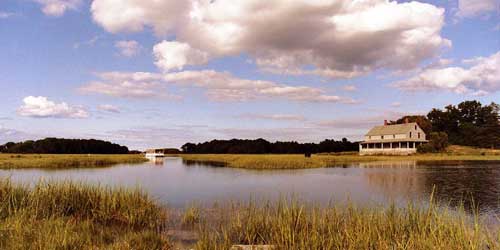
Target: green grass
x=291, y=225
x=75, y=216
x=12, y=161
x=270, y=161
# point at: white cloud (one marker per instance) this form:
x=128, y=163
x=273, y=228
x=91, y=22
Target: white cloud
x=141, y=85
x=109, y=108
x=472, y=8
x=222, y=86
x=58, y=7
x=176, y=55
x=128, y=48
x=89, y=42
x=133, y=15
x=14, y=135
x=339, y=39
x=41, y=107
x=350, y=88
x=4, y=15
x=483, y=76
x=396, y=104
x=219, y=86
x=275, y=117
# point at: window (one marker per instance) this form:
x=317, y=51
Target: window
x=394, y=136
x=419, y=135
x=415, y=127
x=369, y=137
x=410, y=134
x=382, y=137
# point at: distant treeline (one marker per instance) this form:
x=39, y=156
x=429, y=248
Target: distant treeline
x=261, y=146
x=468, y=123
x=63, y=146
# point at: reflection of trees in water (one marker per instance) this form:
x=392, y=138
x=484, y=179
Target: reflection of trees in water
x=474, y=186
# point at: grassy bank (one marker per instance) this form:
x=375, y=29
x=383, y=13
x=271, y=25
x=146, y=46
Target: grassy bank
x=319, y=161
x=77, y=216
x=65, y=160
x=453, y=154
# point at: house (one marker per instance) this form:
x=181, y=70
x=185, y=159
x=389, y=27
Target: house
x=397, y=139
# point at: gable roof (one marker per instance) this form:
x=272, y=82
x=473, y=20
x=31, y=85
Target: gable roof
x=392, y=129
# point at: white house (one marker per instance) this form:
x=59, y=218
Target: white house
x=398, y=139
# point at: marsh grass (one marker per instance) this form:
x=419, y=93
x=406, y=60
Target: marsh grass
x=191, y=217
x=76, y=216
x=10, y=161
x=291, y=225
x=322, y=160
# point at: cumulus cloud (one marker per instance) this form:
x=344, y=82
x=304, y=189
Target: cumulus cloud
x=109, y=108
x=58, y=7
x=133, y=15
x=482, y=77
x=175, y=55
x=339, y=39
x=42, y=107
x=472, y=8
x=128, y=48
x=219, y=86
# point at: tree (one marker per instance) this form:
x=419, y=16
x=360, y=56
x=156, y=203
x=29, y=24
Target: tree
x=423, y=122
x=438, y=141
x=469, y=123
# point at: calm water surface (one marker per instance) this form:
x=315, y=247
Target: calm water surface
x=178, y=183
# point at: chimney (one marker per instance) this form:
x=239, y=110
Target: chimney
x=406, y=120
x=385, y=123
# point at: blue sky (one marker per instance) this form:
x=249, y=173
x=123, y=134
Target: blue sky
x=151, y=73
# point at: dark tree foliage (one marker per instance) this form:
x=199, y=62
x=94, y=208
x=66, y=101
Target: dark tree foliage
x=438, y=141
x=261, y=146
x=64, y=146
x=421, y=120
x=469, y=123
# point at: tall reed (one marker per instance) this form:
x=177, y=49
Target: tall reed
x=77, y=216
x=291, y=225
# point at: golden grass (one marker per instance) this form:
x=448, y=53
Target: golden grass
x=321, y=160
x=291, y=225
x=76, y=216
x=8, y=161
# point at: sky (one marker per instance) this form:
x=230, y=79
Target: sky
x=149, y=73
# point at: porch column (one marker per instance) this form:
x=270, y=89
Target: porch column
x=382, y=145
x=399, y=144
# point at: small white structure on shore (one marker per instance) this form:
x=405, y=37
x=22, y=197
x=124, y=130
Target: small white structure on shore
x=397, y=139
x=153, y=153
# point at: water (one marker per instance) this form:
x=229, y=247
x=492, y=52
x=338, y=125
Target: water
x=177, y=183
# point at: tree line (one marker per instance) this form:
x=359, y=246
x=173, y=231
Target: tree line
x=63, y=146
x=468, y=124
x=261, y=146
